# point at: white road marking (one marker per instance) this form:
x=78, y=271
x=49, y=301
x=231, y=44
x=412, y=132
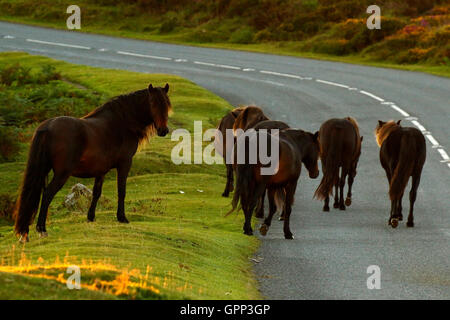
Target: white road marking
x=180, y=60
x=9, y=37
x=418, y=125
x=444, y=154
x=205, y=63
x=102, y=49
x=400, y=110
x=227, y=67
x=352, y=89
x=432, y=140
x=371, y=95
x=387, y=102
x=282, y=74
x=248, y=69
x=273, y=82
x=333, y=83
x=143, y=55
x=59, y=44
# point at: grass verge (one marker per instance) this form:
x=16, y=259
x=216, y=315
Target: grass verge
x=177, y=245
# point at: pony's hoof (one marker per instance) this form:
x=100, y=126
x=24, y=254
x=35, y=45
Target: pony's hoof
x=259, y=215
x=289, y=236
x=394, y=222
x=123, y=220
x=348, y=202
x=400, y=218
x=263, y=229
x=281, y=218
x=43, y=234
x=410, y=224
x=342, y=207
x=336, y=205
x=24, y=238
x=225, y=194
x=90, y=219
x=326, y=209
x=248, y=232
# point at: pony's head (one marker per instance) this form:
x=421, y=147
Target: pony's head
x=248, y=118
x=384, y=129
x=311, y=156
x=160, y=108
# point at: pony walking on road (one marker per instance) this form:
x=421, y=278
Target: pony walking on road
x=295, y=147
x=340, y=147
x=106, y=138
x=402, y=155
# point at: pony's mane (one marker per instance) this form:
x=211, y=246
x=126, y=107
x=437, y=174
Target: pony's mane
x=354, y=123
x=381, y=133
x=124, y=111
x=244, y=113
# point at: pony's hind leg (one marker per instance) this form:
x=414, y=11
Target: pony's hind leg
x=290, y=191
x=341, y=188
x=122, y=175
x=336, y=195
x=272, y=209
x=53, y=187
x=326, y=204
x=260, y=212
x=412, y=199
x=351, y=178
x=97, y=192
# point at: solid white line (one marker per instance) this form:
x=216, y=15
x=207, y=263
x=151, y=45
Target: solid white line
x=333, y=83
x=444, y=154
x=418, y=125
x=142, y=55
x=403, y=113
x=59, y=44
x=281, y=74
x=371, y=95
x=432, y=140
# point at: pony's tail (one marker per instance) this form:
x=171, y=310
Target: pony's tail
x=331, y=169
x=33, y=184
x=404, y=167
x=280, y=199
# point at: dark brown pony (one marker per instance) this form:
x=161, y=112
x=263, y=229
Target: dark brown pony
x=295, y=147
x=268, y=125
x=402, y=155
x=106, y=138
x=249, y=117
x=222, y=147
x=340, y=147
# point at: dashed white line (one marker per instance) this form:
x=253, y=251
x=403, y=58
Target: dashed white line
x=287, y=75
x=227, y=67
x=59, y=44
x=444, y=154
x=9, y=37
x=400, y=110
x=418, y=125
x=274, y=83
x=205, y=63
x=371, y=95
x=432, y=140
x=143, y=55
x=248, y=69
x=333, y=83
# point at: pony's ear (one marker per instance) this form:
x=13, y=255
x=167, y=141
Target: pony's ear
x=166, y=88
x=316, y=135
x=150, y=87
x=381, y=123
x=398, y=122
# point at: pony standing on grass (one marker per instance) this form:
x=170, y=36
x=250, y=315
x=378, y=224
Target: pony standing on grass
x=340, y=147
x=402, y=155
x=105, y=139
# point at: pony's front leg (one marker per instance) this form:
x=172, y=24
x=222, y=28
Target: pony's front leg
x=122, y=175
x=272, y=209
x=326, y=204
x=97, y=192
x=248, y=223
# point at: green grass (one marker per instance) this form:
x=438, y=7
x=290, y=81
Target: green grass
x=200, y=25
x=183, y=237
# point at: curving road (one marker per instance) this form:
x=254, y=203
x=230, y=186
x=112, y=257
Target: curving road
x=329, y=257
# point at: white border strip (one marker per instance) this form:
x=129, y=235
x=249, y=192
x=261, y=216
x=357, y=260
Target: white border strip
x=418, y=125
x=401, y=111
x=59, y=44
x=432, y=140
x=444, y=154
x=281, y=74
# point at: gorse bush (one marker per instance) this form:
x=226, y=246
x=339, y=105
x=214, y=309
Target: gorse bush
x=9, y=143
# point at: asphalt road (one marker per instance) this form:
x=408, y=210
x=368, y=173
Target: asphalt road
x=329, y=257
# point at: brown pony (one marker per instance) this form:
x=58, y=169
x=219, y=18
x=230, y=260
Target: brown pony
x=402, y=155
x=105, y=139
x=268, y=125
x=222, y=147
x=249, y=117
x=340, y=147
x=295, y=146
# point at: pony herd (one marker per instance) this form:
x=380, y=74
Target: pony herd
x=338, y=145
x=108, y=138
